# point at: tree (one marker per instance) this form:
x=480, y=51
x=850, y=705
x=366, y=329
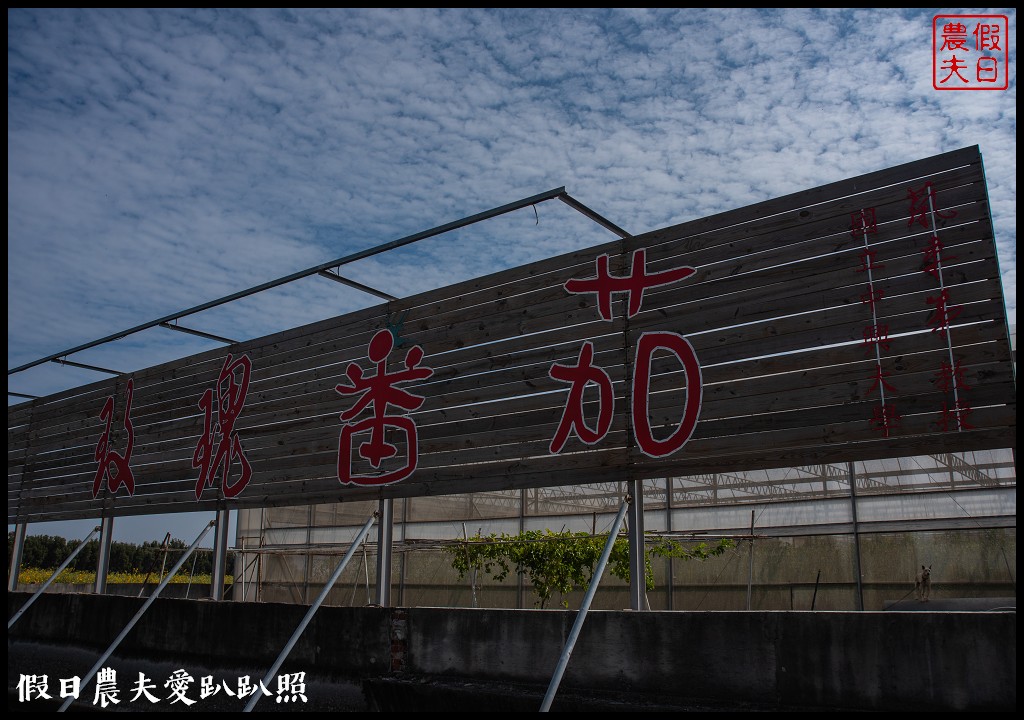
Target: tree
x=42, y=551
x=47, y=552
x=563, y=561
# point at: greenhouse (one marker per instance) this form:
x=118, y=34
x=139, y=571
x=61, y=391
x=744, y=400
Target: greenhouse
x=803, y=540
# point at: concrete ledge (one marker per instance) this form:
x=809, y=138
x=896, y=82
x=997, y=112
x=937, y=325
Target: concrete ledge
x=434, y=694
x=986, y=604
x=893, y=661
x=350, y=641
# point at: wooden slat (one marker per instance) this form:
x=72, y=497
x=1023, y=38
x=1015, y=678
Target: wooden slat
x=763, y=247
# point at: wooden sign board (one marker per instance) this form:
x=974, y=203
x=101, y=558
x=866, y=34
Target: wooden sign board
x=857, y=320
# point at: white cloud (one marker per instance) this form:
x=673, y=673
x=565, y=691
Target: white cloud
x=160, y=159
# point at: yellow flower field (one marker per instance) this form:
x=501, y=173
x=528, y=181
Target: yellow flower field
x=37, y=576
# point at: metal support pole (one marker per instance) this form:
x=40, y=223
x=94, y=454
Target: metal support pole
x=14, y=569
x=310, y=519
x=131, y=623
x=472, y=571
x=220, y=554
x=637, y=554
x=669, y=565
x=524, y=499
x=385, y=541
x=238, y=588
x=310, y=613
x=53, y=577
x=856, y=536
x=404, y=558
x=750, y=569
x=260, y=556
x=103, y=555
x=563, y=661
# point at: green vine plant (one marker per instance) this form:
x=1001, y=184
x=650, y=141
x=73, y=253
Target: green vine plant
x=564, y=561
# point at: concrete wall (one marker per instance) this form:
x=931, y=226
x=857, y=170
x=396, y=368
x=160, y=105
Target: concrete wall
x=870, y=660
x=196, y=591
x=874, y=660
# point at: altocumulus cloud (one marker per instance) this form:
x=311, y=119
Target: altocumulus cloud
x=158, y=159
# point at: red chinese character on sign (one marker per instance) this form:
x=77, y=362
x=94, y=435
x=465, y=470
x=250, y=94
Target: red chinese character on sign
x=867, y=261
x=112, y=465
x=954, y=37
x=584, y=372
x=922, y=202
x=954, y=65
x=933, y=257
x=951, y=52
x=876, y=335
x=987, y=69
x=634, y=284
x=951, y=377
x=944, y=314
x=879, y=380
x=681, y=348
x=986, y=37
x=232, y=387
x=863, y=222
x=872, y=298
x=885, y=418
x=956, y=417
x=379, y=391
x=580, y=374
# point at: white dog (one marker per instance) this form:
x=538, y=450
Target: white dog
x=924, y=583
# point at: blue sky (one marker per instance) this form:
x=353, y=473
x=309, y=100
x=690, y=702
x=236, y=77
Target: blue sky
x=158, y=159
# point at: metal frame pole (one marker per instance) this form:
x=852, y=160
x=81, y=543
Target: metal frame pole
x=220, y=554
x=595, y=580
x=17, y=551
x=404, y=558
x=131, y=623
x=333, y=264
x=669, y=565
x=385, y=538
x=637, y=554
x=524, y=501
x=53, y=577
x=103, y=555
x=750, y=565
x=311, y=612
x=238, y=588
x=856, y=536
